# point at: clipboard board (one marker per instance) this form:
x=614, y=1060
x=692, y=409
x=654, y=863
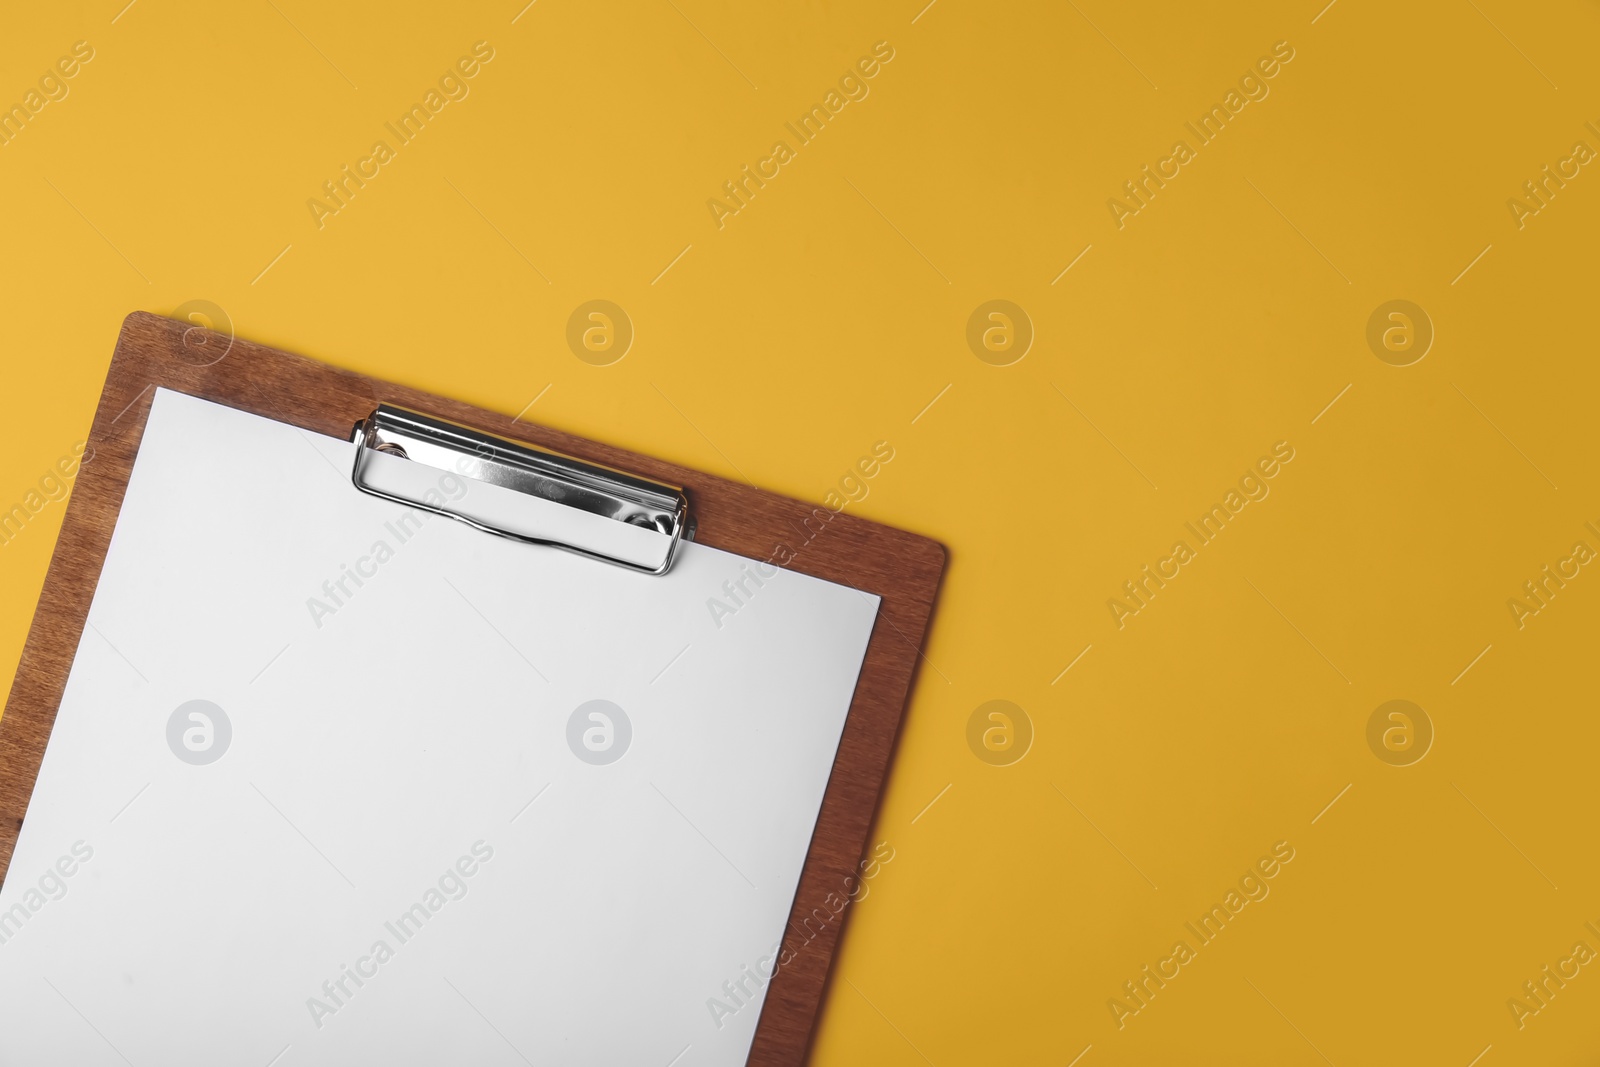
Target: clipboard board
x=902, y=569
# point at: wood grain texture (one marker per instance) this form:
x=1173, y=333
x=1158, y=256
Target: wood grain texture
x=902, y=568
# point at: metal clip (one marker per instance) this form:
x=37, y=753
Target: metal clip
x=521, y=491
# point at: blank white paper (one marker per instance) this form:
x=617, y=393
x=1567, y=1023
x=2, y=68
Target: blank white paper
x=407, y=852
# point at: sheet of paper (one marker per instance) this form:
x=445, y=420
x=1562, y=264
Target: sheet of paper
x=336, y=781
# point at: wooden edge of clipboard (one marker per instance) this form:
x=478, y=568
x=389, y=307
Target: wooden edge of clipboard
x=902, y=568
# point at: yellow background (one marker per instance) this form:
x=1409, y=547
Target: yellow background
x=829, y=312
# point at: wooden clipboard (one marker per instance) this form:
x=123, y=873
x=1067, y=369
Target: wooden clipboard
x=901, y=568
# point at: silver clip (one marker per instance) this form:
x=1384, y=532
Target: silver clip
x=522, y=492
